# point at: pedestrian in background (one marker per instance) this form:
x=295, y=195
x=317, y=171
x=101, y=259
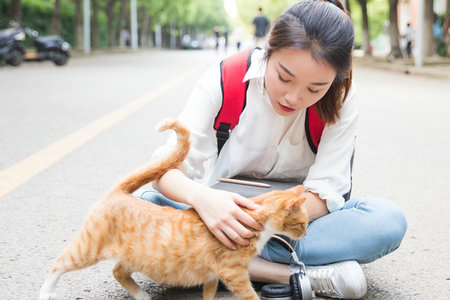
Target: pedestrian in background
x=225, y=36
x=237, y=34
x=125, y=37
x=307, y=62
x=217, y=36
x=261, y=26
x=409, y=37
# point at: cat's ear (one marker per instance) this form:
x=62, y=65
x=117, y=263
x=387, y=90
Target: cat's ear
x=297, y=190
x=297, y=203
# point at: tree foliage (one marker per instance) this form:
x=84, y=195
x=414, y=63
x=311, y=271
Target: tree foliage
x=248, y=10
x=180, y=15
x=202, y=15
x=37, y=14
x=378, y=14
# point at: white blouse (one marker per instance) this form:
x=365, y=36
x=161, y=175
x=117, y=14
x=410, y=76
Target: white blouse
x=264, y=144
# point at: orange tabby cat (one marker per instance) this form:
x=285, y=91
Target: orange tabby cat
x=172, y=246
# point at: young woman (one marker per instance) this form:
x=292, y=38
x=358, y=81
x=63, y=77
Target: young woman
x=307, y=62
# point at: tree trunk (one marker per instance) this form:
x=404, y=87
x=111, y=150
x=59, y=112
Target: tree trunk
x=173, y=38
x=151, y=34
x=15, y=10
x=79, y=24
x=158, y=36
x=56, y=18
x=428, y=30
x=94, y=24
x=366, y=35
x=347, y=5
x=145, y=40
x=123, y=23
x=396, y=51
x=165, y=36
x=110, y=22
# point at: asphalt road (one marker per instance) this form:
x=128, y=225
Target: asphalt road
x=67, y=134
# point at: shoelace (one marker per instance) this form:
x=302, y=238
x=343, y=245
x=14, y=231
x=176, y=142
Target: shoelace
x=321, y=280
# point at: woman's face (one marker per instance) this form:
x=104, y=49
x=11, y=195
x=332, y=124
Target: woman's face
x=295, y=81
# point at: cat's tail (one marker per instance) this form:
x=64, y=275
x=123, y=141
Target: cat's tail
x=160, y=166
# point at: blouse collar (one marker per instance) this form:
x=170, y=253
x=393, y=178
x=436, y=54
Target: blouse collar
x=257, y=69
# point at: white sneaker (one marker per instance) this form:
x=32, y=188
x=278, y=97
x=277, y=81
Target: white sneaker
x=343, y=280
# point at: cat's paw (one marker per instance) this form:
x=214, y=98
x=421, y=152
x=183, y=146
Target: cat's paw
x=47, y=296
x=141, y=295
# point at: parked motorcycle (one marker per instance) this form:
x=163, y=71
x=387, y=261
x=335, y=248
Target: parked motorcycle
x=12, y=51
x=52, y=48
x=11, y=46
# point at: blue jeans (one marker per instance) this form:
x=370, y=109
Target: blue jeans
x=364, y=230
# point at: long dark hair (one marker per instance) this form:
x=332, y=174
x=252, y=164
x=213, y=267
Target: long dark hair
x=324, y=28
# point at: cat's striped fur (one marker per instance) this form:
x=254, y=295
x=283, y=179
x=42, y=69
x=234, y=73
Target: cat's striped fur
x=171, y=246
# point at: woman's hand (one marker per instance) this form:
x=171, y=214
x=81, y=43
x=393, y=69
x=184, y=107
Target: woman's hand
x=225, y=219
x=218, y=209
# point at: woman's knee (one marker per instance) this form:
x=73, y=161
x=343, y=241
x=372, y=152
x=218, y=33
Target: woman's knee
x=398, y=222
x=158, y=199
x=150, y=196
x=388, y=224
x=396, y=228
x=389, y=216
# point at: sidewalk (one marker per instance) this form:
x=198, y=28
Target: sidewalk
x=435, y=67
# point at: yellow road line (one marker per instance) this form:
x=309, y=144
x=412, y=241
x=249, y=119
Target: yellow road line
x=25, y=169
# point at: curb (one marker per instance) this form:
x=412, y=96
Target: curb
x=433, y=67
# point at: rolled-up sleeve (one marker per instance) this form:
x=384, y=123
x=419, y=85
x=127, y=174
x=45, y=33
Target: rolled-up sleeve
x=198, y=116
x=330, y=175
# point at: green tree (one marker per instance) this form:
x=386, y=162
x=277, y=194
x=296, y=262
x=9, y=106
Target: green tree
x=95, y=30
x=38, y=15
x=396, y=52
x=347, y=5
x=365, y=27
x=248, y=9
x=110, y=16
x=179, y=16
x=55, y=26
x=15, y=10
x=428, y=30
x=78, y=24
x=123, y=21
x=377, y=15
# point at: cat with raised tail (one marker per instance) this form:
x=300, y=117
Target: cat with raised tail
x=171, y=246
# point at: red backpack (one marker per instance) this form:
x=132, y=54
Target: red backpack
x=234, y=96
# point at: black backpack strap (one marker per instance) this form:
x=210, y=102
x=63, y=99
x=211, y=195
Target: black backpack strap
x=222, y=134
